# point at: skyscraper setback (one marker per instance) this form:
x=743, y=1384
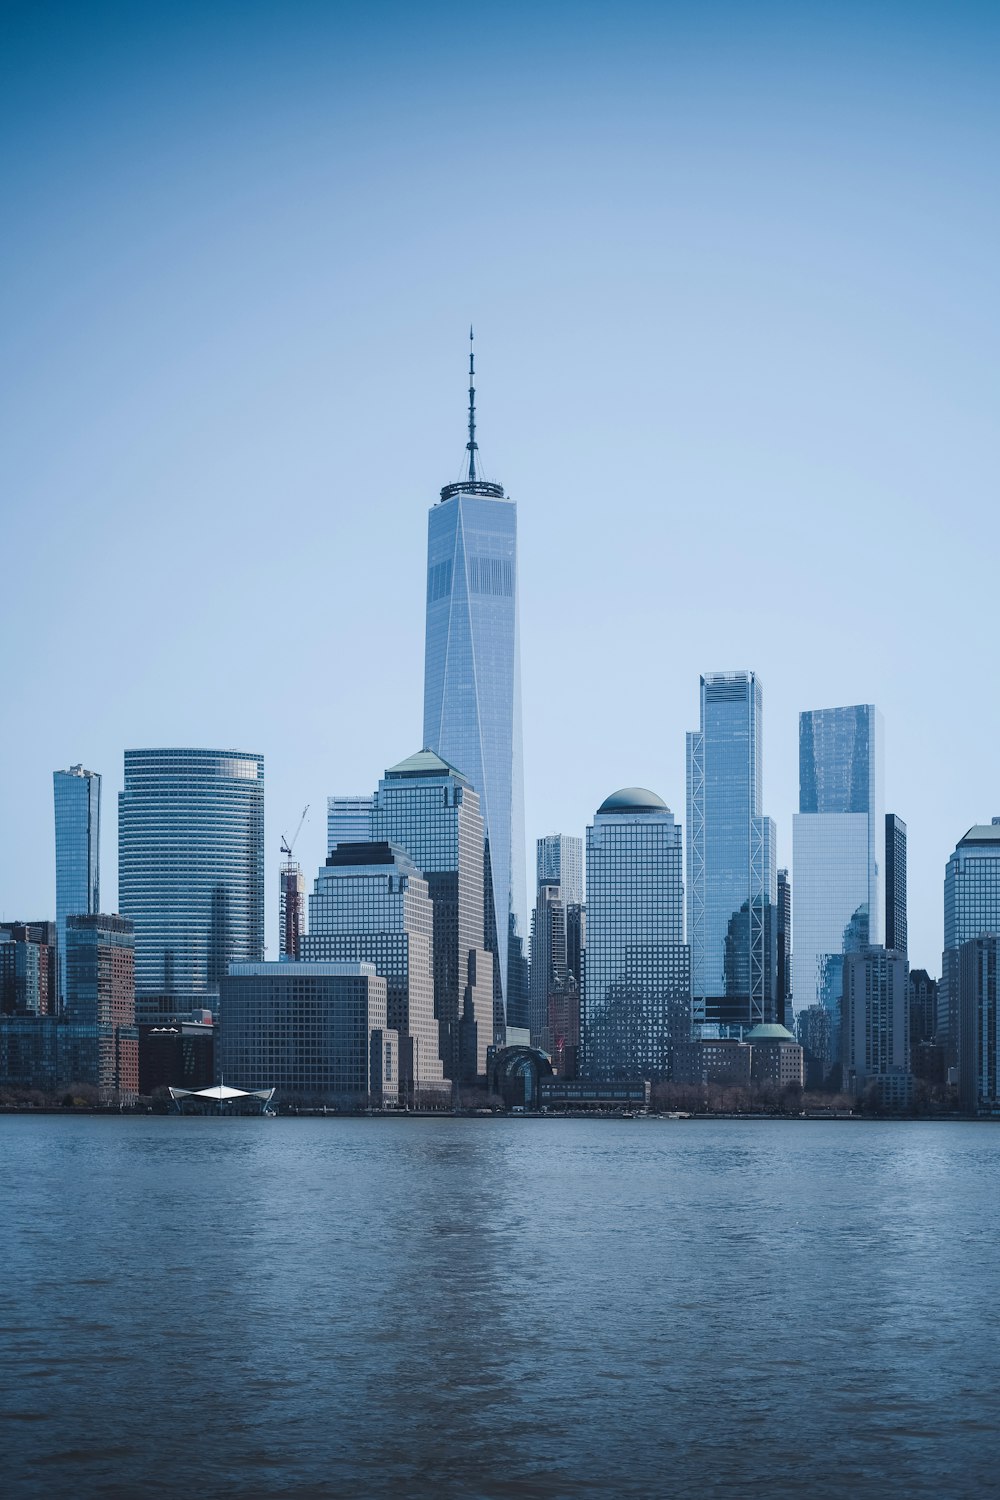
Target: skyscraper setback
x=732, y=864
x=472, y=686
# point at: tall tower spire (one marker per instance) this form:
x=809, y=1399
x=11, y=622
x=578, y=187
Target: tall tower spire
x=472, y=445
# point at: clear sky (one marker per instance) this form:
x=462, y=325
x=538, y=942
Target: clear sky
x=733, y=271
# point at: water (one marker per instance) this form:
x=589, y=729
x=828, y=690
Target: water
x=498, y=1308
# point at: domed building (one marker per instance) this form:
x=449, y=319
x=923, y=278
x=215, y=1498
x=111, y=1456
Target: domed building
x=637, y=978
x=775, y=1056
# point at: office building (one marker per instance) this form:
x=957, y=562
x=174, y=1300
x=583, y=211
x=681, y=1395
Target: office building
x=777, y=1060
x=190, y=872
x=431, y=810
x=783, y=982
x=814, y=1029
x=637, y=978
x=576, y=940
x=370, y=904
x=732, y=873
x=472, y=690
x=895, y=883
x=837, y=841
x=100, y=1005
x=979, y=1026
x=559, y=861
x=875, y=1026
x=348, y=820
x=77, y=801
x=179, y=1054
x=315, y=1032
x=712, y=1060
x=549, y=973
x=971, y=909
x=923, y=1009
x=29, y=969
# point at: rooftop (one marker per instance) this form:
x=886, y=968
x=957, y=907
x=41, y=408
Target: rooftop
x=424, y=763
x=634, y=799
x=769, y=1032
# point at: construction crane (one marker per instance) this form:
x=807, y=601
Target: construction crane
x=286, y=847
x=290, y=910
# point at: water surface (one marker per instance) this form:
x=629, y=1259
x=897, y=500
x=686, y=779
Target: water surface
x=498, y=1308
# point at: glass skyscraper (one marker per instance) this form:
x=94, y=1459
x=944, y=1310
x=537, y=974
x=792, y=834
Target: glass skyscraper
x=837, y=841
x=429, y=809
x=732, y=862
x=348, y=820
x=190, y=872
x=637, y=974
x=370, y=903
x=895, y=883
x=472, y=689
x=77, y=799
x=971, y=910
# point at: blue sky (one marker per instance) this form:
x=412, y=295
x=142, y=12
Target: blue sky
x=733, y=274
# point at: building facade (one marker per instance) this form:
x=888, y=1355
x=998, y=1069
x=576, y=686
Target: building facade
x=971, y=909
x=875, y=1025
x=559, y=861
x=777, y=1060
x=979, y=1025
x=432, y=811
x=637, y=975
x=732, y=866
x=190, y=872
x=895, y=883
x=29, y=969
x=76, y=797
x=783, y=972
x=370, y=904
x=837, y=843
x=348, y=820
x=315, y=1032
x=100, y=1005
x=472, y=689
x=291, y=908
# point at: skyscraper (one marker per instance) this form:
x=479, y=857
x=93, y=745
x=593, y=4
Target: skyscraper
x=548, y=960
x=895, y=883
x=732, y=866
x=637, y=980
x=783, y=985
x=370, y=904
x=190, y=872
x=978, y=1007
x=472, y=687
x=431, y=810
x=875, y=1024
x=77, y=799
x=291, y=908
x=971, y=909
x=837, y=841
x=348, y=820
x=100, y=1004
x=559, y=861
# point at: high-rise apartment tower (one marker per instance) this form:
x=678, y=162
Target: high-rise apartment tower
x=77, y=799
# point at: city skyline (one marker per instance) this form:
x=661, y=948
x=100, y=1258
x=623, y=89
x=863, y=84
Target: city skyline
x=712, y=345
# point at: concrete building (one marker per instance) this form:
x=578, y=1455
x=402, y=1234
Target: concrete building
x=875, y=1032
x=100, y=1005
x=29, y=969
x=979, y=1025
x=316, y=1032
x=895, y=883
x=718, y=1060
x=776, y=1058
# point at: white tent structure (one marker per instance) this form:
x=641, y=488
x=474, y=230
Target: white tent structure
x=222, y=1097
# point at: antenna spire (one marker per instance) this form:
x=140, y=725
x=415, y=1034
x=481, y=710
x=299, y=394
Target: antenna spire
x=472, y=447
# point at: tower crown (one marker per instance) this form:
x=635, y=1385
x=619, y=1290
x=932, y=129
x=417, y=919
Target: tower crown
x=472, y=484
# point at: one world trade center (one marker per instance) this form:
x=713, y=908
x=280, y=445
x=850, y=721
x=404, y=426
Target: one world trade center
x=472, y=692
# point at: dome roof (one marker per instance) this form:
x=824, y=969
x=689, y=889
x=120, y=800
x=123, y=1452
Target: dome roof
x=769, y=1032
x=634, y=799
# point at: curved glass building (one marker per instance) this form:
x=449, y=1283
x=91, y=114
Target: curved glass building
x=637, y=974
x=190, y=872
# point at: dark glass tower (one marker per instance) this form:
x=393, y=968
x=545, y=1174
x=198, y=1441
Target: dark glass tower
x=77, y=798
x=472, y=688
x=895, y=883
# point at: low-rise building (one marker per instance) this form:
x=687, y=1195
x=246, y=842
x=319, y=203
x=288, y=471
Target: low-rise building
x=776, y=1058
